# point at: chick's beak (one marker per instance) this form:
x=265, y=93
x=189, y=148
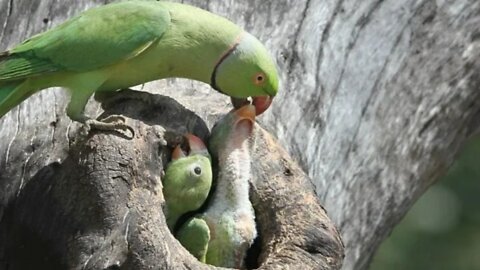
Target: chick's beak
x=196, y=145
x=246, y=112
x=177, y=153
x=243, y=127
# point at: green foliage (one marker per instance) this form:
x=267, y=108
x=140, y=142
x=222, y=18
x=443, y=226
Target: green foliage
x=442, y=230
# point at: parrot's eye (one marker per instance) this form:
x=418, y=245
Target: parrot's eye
x=197, y=170
x=259, y=78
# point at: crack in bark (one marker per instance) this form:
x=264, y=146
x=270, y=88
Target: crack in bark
x=294, y=56
x=323, y=39
x=17, y=128
x=374, y=88
x=55, y=117
x=361, y=23
x=10, y=8
x=318, y=81
x=7, y=18
x=24, y=168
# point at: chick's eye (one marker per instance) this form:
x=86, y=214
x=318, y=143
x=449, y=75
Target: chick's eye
x=197, y=170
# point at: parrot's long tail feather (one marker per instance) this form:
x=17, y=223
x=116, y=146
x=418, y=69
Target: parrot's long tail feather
x=12, y=93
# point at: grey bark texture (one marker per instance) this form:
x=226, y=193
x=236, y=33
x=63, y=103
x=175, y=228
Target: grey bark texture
x=101, y=206
x=377, y=97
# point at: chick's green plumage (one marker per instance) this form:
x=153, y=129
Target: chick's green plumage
x=128, y=43
x=187, y=180
x=194, y=236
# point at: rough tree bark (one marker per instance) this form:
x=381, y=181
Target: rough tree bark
x=101, y=206
x=377, y=97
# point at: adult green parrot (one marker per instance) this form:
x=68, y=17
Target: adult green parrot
x=123, y=44
x=187, y=180
x=229, y=217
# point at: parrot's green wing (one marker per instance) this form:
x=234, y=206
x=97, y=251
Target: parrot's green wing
x=98, y=37
x=194, y=235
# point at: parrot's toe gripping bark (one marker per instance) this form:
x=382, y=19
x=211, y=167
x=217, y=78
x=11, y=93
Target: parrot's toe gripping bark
x=110, y=123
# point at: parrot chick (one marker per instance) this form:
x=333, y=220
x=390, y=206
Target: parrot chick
x=127, y=43
x=230, y=216
x=187, y=180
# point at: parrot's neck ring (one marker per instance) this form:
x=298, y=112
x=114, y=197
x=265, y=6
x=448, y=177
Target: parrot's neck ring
x=233, y=47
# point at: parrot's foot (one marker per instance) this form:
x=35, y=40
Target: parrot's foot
x=111, y=123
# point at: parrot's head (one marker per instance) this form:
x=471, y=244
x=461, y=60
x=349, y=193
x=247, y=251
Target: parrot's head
x=187, y=180
x=232, y=131
x=247, y=70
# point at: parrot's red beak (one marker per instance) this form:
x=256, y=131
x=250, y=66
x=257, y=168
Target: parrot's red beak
x=261, y=103
x=195, y=146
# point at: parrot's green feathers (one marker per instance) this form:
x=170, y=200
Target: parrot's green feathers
x=98, y=37
x=252, y=67
x=6, y=89
x=16, y=67
x=186, y=185
x=128, y=43
x=194, y=235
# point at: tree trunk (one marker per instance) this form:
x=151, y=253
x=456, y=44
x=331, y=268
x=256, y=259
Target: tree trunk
x=376, y=99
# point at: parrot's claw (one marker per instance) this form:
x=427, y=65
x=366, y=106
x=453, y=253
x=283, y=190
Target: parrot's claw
x=114, y=119
x=110, y=123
